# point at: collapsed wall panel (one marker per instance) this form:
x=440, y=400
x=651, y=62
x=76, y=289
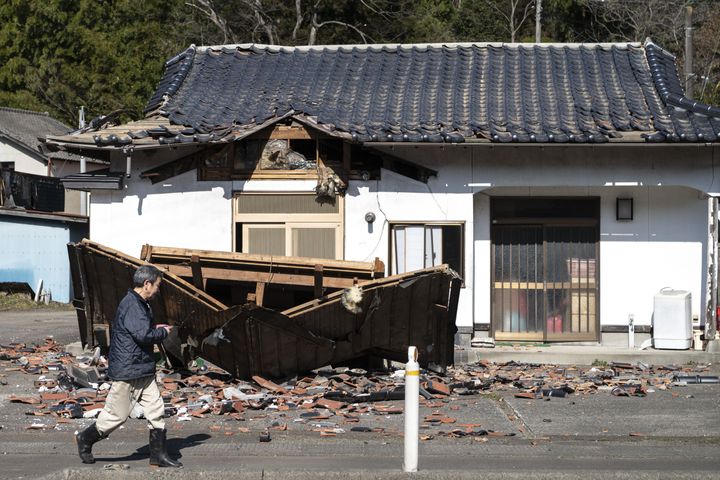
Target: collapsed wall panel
x=376, y=317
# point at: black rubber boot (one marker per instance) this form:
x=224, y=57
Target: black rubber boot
x=85, y=441
x=158, y=451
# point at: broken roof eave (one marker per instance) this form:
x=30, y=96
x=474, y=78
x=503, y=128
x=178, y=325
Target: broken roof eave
x=65, y=143
x=633, y=141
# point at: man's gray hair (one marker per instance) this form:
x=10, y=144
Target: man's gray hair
x=146, y=273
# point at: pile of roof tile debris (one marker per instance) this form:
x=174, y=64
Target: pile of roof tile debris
x=328, y=400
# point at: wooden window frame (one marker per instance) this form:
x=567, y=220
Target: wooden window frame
x=391, y=240
x=334, y=220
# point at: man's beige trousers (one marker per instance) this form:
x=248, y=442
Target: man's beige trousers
x=120, y=400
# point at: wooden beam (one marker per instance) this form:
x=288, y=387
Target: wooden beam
x=378, y=268
x=259, y=293
x=291, y=133
x=318, y=281
x=210, y=273
x=347, y=157
x=197, y=272
x=146, y=252
x=177, y=166
x=163, y=255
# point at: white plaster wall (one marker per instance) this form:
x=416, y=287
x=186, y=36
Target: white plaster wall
x=663, y=246
x=396, y=198
x=179, y=212
x=481, y=267
x=24, y=162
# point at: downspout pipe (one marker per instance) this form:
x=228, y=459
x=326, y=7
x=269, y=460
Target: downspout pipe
x=711, y=324
x=83, y=195
x=689, y=75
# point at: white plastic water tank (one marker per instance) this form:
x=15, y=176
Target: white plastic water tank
x=672, y=320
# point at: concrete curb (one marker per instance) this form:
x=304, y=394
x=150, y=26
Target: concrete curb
x=181, y=474
x=584, y=355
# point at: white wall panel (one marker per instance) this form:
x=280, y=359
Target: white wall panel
x=24, y=162
x=179, y=212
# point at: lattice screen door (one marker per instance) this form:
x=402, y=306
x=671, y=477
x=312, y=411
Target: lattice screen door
x=545, y=282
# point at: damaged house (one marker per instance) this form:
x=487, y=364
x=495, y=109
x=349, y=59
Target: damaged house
x=565, y=183
x=37, y=215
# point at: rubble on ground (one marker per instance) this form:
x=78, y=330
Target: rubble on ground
x=329, y=401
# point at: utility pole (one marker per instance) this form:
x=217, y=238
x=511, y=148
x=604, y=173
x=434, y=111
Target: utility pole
x=689, y=76
x=83, y=165
x=538, y=14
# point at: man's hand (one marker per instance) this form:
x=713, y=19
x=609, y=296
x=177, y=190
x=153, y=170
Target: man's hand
x=168, y=328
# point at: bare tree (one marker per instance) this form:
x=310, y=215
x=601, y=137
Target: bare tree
x=298, y=19
x=264, y=21
x=207, y=8
x=263, y=17
x=707, y=55
x=316, y=25
x=630, y=20
x=514, y=12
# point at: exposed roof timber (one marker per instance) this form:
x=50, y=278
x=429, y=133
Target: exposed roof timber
x=402, y=166
x=178, y=166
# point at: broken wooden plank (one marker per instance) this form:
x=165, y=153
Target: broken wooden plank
x=260, y=293
x=196, y=272
x=318, y=284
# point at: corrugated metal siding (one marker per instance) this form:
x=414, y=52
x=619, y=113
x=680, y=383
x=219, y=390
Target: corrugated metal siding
x=34, y=249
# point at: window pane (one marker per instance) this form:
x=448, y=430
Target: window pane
x=313, y=242
x=451, y=250
x=266, y=241
x=414, y=247
x=433, y=247
x=399, y=250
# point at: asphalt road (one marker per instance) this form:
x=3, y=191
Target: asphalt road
x=667, y=434
x=30, y=326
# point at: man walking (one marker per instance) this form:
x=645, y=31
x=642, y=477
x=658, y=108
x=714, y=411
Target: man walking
x=132, y=371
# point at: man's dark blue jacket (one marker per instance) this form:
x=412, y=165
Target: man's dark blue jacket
x=132, y=339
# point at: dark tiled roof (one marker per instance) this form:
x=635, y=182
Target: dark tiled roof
x=24, y=127
x=434, y=93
